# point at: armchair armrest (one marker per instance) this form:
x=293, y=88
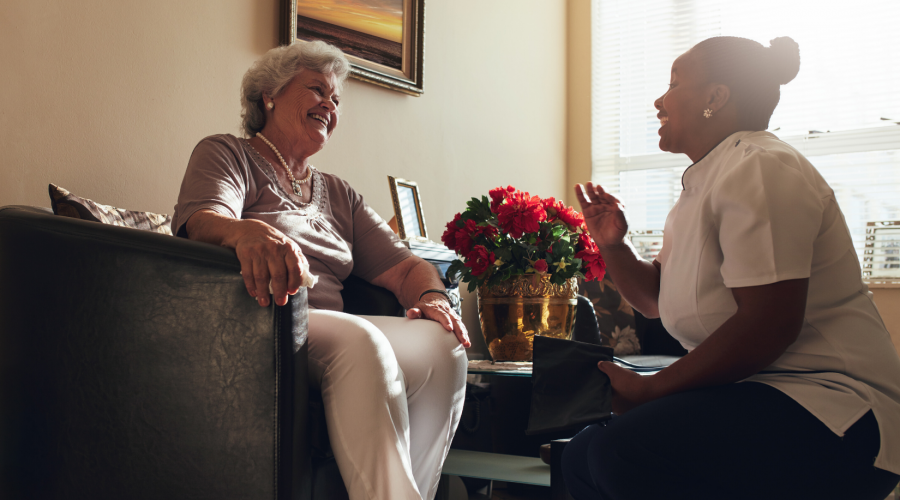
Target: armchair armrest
x=135, y=365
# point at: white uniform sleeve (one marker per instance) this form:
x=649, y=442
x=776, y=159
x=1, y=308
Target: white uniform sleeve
x=768, y=216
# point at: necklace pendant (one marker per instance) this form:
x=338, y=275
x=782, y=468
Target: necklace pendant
x=296, y=186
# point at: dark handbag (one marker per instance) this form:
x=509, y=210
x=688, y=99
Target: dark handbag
x=568, y=391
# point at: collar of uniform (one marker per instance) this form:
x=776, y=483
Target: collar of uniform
x=698, y=170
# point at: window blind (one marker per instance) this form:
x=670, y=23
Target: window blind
x=842, y=111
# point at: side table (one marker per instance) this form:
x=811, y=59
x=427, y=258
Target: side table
x=497, y=466
x=513, y=468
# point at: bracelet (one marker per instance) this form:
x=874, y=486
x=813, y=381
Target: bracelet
x=435, y=290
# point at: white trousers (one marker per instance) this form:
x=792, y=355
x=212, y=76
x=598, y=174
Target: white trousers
x=393, y=390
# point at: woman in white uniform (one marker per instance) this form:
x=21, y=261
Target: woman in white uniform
x=791, y=387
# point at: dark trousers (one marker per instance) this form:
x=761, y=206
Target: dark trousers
x=740, y=441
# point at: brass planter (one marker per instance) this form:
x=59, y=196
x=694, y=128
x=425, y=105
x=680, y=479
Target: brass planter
x=513, y=312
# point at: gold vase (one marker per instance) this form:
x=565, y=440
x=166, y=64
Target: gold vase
x=513, y=312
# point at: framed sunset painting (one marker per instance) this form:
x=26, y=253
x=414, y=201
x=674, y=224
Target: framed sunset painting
x=382, y=38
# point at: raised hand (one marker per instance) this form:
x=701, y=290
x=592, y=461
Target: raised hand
x=603, y=214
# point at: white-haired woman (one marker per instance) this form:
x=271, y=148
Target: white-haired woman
x=392, y=387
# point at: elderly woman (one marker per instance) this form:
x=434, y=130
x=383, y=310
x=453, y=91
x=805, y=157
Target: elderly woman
x=791, y=388
x=392, y=387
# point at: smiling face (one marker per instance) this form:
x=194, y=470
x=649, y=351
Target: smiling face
x=306, y=111
x=681, y=117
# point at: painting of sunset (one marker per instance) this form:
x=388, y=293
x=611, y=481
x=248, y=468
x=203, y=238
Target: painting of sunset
x=368, y=29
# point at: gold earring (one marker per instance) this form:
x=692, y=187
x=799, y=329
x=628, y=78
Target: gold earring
x=270, y=105
x=706, y=112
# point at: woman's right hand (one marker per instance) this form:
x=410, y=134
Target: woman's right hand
x=268, y=256
x=603, y=215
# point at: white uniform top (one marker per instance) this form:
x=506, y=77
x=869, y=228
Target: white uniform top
x=754, y=211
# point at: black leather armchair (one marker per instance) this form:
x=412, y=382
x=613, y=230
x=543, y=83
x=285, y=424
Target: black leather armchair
x=134, y=365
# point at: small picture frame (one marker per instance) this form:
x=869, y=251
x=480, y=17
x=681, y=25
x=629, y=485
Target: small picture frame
x=881, y=257
x=408, y=210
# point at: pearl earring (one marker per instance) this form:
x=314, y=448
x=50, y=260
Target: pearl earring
x=706, y=112
x=270, y=105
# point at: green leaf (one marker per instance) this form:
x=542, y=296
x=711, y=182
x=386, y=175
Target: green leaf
x=455, y=269
x=504, y=254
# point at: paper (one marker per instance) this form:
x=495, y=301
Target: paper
x=307, y=279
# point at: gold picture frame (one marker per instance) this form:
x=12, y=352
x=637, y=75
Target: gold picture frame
x=408, y=210
x=373, y=59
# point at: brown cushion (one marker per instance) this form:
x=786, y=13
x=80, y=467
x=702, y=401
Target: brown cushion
x=68, y=205
x=614, y=316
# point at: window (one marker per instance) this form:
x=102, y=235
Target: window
x=842, y=111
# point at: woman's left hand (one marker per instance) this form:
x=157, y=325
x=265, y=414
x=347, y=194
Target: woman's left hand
x=629, y=389
x=438, y=309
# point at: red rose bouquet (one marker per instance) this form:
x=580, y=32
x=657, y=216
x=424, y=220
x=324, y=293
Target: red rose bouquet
x=514, y=233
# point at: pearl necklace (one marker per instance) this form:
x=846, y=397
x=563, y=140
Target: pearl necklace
x=295, y=184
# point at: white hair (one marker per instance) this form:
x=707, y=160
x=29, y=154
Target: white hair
x=277, y=67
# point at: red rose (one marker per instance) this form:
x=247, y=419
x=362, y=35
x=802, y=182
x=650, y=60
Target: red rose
x=465, y=236
x=586, y=243
x=572, y=218
x=540, y=266
x=549, y=206
x=498, y=195
x=488, y=231
x=521, y=214
x=463, y=240
x=593, y=267
x=479, y=260
x=449, y=236
x=592, y=264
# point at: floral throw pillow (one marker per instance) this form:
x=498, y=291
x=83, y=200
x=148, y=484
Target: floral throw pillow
x=68, y=205
x=614, y=315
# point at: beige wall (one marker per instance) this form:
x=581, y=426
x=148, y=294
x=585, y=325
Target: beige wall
x=107, y=99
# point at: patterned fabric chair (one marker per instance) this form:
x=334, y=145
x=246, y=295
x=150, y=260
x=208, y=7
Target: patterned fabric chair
x=627, y=331
x=614, y=316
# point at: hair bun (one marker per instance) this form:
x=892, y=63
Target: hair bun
x=785, y=54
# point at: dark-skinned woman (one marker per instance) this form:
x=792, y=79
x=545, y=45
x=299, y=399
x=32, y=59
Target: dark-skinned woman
x=393, y=388
x=791, y=387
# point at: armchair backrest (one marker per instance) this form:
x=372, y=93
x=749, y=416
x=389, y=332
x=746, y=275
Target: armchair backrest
x=134, y=365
